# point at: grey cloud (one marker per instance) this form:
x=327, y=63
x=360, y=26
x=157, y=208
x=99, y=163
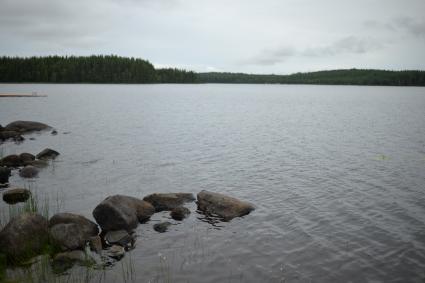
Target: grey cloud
x=415, y=27
x=411, y=25
x=346, y=45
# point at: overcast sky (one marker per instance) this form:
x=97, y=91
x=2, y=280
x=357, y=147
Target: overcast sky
x=262, y=36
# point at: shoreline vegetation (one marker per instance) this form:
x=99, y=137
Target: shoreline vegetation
x=123, y=70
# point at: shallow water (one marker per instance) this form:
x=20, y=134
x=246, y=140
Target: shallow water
x=337, y=174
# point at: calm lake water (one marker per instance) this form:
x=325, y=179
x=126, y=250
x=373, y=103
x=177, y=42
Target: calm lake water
x=337, y=174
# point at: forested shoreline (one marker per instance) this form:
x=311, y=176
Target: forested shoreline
x=115, y=69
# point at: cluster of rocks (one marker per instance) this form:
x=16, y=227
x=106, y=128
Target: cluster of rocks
x=15, y=130
x=117, y=216
x=28, y=166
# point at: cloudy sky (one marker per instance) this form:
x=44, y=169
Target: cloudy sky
x=261, y=36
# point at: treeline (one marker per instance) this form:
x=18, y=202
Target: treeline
x=115, y=69
x=335, y=77
x=91, y=69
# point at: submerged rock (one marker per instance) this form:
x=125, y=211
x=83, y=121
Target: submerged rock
x=26, y=126
x=47, y=154
x=121, y=212
x=24, y=236
x=161, y=227
x=223, y=206
x=63, y=261
x=71, y=231
x=120, y=237
x=115, y=252
x=16, y=195
x=168, y=201
x=29, y=171
x=4, y=175
x=38, y=163
x=10, y=135
x=179, y=213
x=54, y=133
x=12, y=160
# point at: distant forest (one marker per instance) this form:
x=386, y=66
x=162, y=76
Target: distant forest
x=91, y=69
x=115, y=69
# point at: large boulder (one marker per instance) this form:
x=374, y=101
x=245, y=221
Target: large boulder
x=12, y=160
x=47, y=154
x=16, y=195
x=121, y=212
x=4, y=175
x=26, y=126
x=29, y=171
x=24, y=236
x=168, y=201
x=71, y=231
x=89, y=227
x=223, y=206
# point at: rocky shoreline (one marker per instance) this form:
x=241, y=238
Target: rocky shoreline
x=69, y=236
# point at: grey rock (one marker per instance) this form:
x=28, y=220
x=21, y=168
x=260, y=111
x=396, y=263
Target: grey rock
x=47, y=154
x=68, y=236
x=168, y=201
x=89, y=227
x=26, y=126
x=63, y=261
x=4, y=175
x=71, y=231
x=120, y=237
x=16, y=195
x=121, y=212
x=12, y=160
x=95, y=244
x=223, y=206
x=161, y=227
x=24, y=236
x=38, y=163
x=29, y=171
x=115, y=252
x=10, y=135
x=26, y=158
x=179, y=213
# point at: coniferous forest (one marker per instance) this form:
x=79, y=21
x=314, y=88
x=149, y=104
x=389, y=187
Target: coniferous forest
x=115, y=69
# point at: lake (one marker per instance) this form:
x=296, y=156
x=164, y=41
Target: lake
x=337, y=174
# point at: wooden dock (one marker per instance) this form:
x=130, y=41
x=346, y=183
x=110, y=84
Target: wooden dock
x=20, y=95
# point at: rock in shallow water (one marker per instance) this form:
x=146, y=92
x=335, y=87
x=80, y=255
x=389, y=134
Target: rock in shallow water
x=168, y=201
x=120, y=237
x=26, y=158
x=223, y=206
x=24, y=236
x=71, y=231
x=47, y=154
x=115, y=252
x=63, y=261
x=161, y=227
x=16, y=195
x=4, y=175
x=26, y=126
x=179, y=213
x=29, y=171
x=121, y=212
x=12, y=160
